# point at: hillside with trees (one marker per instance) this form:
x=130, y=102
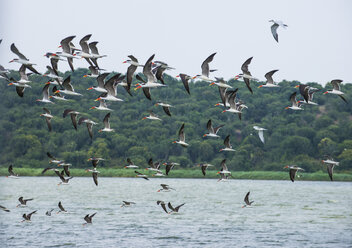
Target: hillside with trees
x=293, y=137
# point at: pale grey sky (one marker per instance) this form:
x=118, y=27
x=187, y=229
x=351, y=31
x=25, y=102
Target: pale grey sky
x=316, y=46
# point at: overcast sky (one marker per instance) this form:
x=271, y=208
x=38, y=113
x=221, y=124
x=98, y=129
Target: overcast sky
x=316, y=46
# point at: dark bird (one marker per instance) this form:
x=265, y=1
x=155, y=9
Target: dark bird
x=61, y=208
x=48, y=213
x=27, y=217
x=48, y=118
x=88, y=218
x=246, y=74
x=4, y=208
x=89, y=124
x=64, y=181
x=174, y=210
x=163, y=205
x=12, y=174
x=181, y=137
x=246, y=200
x=141, y=175
x=212, y=131
x=185, y=80
x=23, y=202
x=204, y=167
x=73, y=115
x=127, y=204
x=293, y=171
x=165, y=188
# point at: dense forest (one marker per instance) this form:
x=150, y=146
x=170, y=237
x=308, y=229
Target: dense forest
x=293, y=137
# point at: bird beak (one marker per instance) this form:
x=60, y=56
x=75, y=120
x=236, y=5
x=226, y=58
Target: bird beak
x=260, y=86
x=90, y=88
x=178, y=76
x=204, y=135
x=174, y=142
x=138, y=87
x=91, y=108
x=194, y=77
x=296, y=86
x=11, y=61
x=47, y=82
x=217, y=104
x=287, y=107
x=124, y=62
x=211, y=84
x=98, y=99
x=223, y=111
x=85, y=76
x=325, y=92
x=10, y=84
x=58, y=91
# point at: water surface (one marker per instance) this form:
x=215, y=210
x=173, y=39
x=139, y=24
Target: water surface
x=300, y=214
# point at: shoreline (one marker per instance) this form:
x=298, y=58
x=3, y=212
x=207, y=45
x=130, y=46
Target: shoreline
x=187, y=173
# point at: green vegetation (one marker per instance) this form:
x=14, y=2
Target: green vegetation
x=190, y=173
x=293, y=137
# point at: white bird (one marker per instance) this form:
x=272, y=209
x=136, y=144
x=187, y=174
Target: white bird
x=48, y=118
x=205, y=69
x=151, y=116
x=22, y=59
x=68, y=89
x=228, y=146
x=102, y=106
x=106, y=122
x=295, y=104
x=275, y=26
x=212, y=131
x=45, y=93
x=260, y=132
x=220, y=82
x=330, y=163
x=181, y=137
x=336, y=89
x=269, y=80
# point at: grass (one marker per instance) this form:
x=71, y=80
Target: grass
x=188, y=173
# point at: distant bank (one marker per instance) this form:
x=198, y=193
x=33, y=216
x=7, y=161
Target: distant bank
x=188, y=173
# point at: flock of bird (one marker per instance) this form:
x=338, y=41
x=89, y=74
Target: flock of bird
x=153, y=78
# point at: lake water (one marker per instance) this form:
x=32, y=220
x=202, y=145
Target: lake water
x=300, y=214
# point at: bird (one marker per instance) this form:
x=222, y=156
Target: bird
x=152, y=81
x=88, y=218
x=53, y=74
x=95, y=161
x=223, y=177
x=260, y=132
x=204, y=167
x=127, y=204
x=67, y=51
x=181, y=137
x=275, y=26
x=205, y=69
x=89, y=124
x=53, y=159
x=94, y=72
x=295, y=104
x=68, y=88
x=163, y=205
x=65, y=166
x=48, y=118
x=228, y=146
x=336, y=84
x=130, y=164
x=95, y=53
x=84, y=53
x=246, y=200
x=27, y=217
x=293, y=171
x=224, y=169
x=23, y=202
x=22, y=59
x=138, y=174
x=220, y=82
x=146, y=90
x=169, y=167
x=64, y=181
x=45, y=93
x=101, y=83
x=56, y=95
x=102, y=106
x=12, y=174
x=166, y=107
x=310, y=97
x=151, y=116
x=4, y=208
x=94, y=175
x=246, y=74
x=235, y=107
x=225, y=95
x=185, y=80
x=304, y=91
x=212, y=131
x=131, y=69
x=48, y=213
x=269, y=80
x=73, y=115
x=165, y=188
x=110, y=86
x=106, y=122
x=61, y=208
x=153, y=166
x=176, y=209
x=330, y=163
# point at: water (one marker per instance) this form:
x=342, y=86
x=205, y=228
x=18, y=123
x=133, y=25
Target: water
x=300, y=214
